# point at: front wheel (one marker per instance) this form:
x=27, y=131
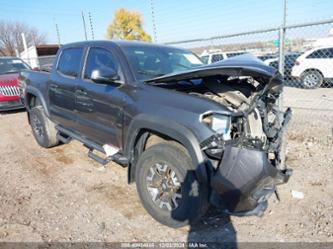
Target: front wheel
x=312, y=79
x=168, y=187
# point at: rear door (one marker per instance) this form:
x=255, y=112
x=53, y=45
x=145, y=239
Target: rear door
x=62, y=85
x=100, y=105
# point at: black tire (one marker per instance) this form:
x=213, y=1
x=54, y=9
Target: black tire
x=194, y=195
x=43, y=129
x=312, y=79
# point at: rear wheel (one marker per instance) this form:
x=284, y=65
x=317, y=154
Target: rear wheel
x=312, y=79
x=43, y=129
x=168, y=187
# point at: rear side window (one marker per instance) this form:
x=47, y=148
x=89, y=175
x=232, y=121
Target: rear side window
x=217, y=57
x=69, y=62
x=324, y=53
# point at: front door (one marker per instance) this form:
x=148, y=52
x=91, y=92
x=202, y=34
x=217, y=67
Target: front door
x=100, y=105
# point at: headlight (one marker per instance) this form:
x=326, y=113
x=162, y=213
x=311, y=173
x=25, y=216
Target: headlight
x=219, y=123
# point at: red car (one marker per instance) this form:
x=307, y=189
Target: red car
x=9, y=84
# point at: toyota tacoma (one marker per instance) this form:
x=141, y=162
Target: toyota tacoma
x=190, y=134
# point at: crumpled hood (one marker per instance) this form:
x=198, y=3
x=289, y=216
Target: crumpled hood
x=9, y=79
x=243, y=65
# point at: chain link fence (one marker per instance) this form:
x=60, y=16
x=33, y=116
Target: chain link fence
x=306, y=60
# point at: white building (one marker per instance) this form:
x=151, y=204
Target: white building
x=37, y=56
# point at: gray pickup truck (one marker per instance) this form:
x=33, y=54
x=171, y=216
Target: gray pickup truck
x=190, y=134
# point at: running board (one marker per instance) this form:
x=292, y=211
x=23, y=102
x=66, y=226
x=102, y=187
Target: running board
x=64, y=139
x=118, y=158
x=115, y=158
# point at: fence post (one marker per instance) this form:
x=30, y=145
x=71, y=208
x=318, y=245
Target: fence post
x=282, y=33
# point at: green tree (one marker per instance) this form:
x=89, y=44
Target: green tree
x=127, y=25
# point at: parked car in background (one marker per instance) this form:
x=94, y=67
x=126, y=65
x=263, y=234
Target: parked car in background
x=188, y=133
x=289, y=61
x=212, y=56
x=266, y=57
x=314, y=66
x=9, y=88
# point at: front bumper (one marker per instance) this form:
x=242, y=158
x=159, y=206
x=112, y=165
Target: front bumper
x=11, y=105
x=245, y=180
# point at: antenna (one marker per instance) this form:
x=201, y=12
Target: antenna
x=84, y=26
x=153, y=19
x=57, y=31
x=91, y=26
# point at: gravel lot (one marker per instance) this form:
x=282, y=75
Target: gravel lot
x=61, y=195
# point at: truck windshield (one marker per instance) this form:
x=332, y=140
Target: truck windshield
x=12, y=66
x=150, y=62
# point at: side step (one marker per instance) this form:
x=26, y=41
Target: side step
x=116, y=158
x=66, y=136
x=64, y=139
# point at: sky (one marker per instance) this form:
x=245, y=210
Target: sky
x=175, y=19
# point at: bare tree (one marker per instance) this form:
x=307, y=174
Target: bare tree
x=11, y=39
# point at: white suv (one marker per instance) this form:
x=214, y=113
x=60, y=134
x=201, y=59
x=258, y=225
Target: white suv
x=216, y=55
x=314, y=66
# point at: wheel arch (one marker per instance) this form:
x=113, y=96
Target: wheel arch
x=144, y=126
x=312, y=69
x=34, y=96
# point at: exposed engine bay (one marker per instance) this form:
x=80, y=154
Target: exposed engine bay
x=246, y=150
x=256, y=117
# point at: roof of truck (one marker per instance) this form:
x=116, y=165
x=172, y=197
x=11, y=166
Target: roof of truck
x=120, y=43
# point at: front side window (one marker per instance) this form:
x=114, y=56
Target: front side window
x=70, y=61
x=99, y=58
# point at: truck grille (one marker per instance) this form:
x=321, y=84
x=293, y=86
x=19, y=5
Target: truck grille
x=9, y=91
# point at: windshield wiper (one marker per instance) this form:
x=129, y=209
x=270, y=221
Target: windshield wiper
x=149, y=73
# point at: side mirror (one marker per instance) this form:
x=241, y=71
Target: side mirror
x=105, y=76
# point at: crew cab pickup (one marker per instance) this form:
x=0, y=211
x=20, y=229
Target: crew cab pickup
x=190, y=134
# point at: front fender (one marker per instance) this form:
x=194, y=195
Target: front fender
x=172, y=129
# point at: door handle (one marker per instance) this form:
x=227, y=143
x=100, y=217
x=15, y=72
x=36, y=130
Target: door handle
x=81, y=92
x=54, y=86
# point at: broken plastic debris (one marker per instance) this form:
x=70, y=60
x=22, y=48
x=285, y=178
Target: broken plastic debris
x=110, y=150
x=297, y=195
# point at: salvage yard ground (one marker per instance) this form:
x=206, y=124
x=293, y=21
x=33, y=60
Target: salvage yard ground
x=61, y=195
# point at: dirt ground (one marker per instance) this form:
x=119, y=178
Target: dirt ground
x=60, y=194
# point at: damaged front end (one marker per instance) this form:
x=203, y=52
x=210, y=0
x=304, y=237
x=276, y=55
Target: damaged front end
x=245, y=148
x=248, y=162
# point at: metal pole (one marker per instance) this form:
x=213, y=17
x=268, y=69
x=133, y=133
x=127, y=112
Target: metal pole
x=25, y=46
x=84, y=26
x=282, y=38
x=153, y=19
x=282, y=34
